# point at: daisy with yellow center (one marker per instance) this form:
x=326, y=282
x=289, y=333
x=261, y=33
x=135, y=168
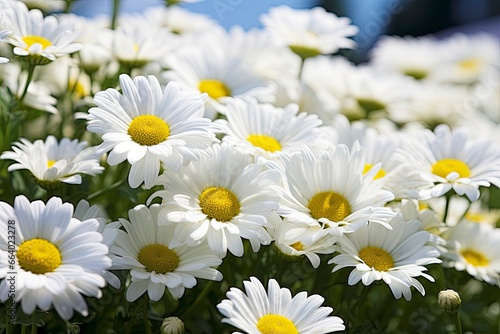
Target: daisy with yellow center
x=263, y=130
x=219, y=69
x=52, y=162
x=397, y=256
x=329, y=189
x=40, y=39
x=447, y=159
x=58, y=258
x=148, y=126
x=225, y=199
x=474, y=247
x=154, y=258
x=275, y=311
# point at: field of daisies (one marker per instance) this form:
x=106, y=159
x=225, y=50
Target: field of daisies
x=159, y=174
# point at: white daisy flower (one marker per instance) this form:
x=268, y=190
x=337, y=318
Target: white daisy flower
x=263, y=130
x=37, y=97
x=57, y=258
x=40, y=39
x=276, y=311
x=219, y=72
x=295, y=241
x=52, y=162
x=147, y=250
x=395, y=256
x=48, y=6
x=330, y=189
x=220, y=198
x=310, y=32
x=449, y=160
x=137, y=42
x=417, y=57
x=475, y=248
x=147, y=126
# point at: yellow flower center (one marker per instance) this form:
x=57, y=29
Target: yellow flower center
x=39, y=256
x=265, y=142
x=51, y=163
x=476, y=217
x=78, y=88
x=445, y=166
x=422, y=206
x=276, y=324
x=148, y=130
x=330, y=205
x=375, y=257
x=304, y=52
x=380, y=173
x=214, y=88
x=219, y=203
x=477, y=259
x=298, y=246
x=158, y=258
x=469, y=64
x=32, y=39
x=370, y=105
x=416, y=73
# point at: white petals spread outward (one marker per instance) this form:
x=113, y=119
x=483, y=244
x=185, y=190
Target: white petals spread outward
x=266, y=131
x=58, y=258
x=276, y=312
x=330, y=189
x=41, y=38
x=449, y=159
x=147, y=250
x=220, y=198
x=50, y=161
x=474, y=247
x=395, y=256
x=310, y=32
x=147, y=126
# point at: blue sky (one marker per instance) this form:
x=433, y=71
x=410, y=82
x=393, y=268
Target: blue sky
x=226, y=12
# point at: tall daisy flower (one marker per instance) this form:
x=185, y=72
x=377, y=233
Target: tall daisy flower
x=330, y=189
x=395, y=256
x=220, y=198
x=310, y=32
x=155, y=264
x=448, y=159
x=219, y=72
x=275, y=311
x=57, y=258
x=40, y=39
x=147, y=126
x=474, y=247
x=52, y=162
x=265, y=131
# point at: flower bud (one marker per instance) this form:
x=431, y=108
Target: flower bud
x=172, y=325
x=449, y=301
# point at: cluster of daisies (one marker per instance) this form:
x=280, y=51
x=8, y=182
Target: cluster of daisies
x=244, y=136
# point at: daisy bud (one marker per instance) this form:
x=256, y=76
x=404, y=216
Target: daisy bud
x=449, y=301
x=172, y=325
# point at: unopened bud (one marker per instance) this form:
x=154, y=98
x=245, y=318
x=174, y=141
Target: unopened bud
x=449, y=301
x=172, y=325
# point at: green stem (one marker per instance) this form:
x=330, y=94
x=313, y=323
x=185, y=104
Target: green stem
x=281, y=271
x=24, y=329
x=33, y=323
x=301, y=68
x=198, y=299
x=447, y=207
x=458, y=325
x=106, y=190
x=116, y=10
x=31, y=70
x=145, y=314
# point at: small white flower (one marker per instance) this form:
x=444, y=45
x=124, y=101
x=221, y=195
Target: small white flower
x=309, y=32
x=220, y=198
x=147, y=250
x=395, y=256
x=475, y=248
x=276, y=311
x=58, y=258
x=146, y=126
x=51, y=162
